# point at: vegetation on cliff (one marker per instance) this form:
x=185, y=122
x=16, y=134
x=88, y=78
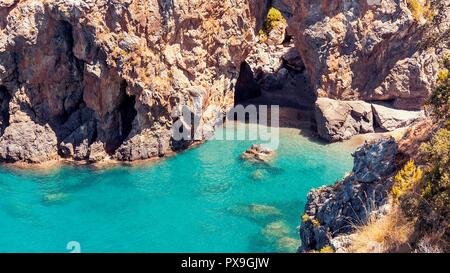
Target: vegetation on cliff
x=421, y=10
x=420, y=198
x=273, y=20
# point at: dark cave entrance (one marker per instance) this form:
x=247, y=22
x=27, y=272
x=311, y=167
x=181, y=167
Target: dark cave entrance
x=246, y=86
x=127, y=114
x=122, y=121
x=5, y=98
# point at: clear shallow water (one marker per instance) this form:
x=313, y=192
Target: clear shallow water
x=202, y=200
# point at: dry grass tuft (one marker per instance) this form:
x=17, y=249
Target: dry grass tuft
x=421, y=10
x=390, y=233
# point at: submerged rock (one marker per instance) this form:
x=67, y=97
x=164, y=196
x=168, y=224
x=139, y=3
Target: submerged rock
x=54, y=197
x=256, y=211
x=334, y=210
x=276, y=230
x=258, y=175
x=216, y=188
x=258, y=153
x=287, y=244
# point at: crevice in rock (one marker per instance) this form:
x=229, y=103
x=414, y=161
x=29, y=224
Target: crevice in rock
x=5, y=98
x=166, y=10
x=74, y=101
x=127, y=113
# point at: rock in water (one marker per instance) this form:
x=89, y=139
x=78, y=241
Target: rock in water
x=287, y=244
x=258, y=153
x=258, y=175
x=54, y=197
x=256, y=211
x=276, y=230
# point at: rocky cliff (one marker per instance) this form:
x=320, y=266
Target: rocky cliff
x=371, y=50
x=97, y=79
x=103, y=78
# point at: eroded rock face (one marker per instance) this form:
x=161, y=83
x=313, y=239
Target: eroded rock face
x=103, y=78
x=335, y=210
x=340, y=120
x=367, y=51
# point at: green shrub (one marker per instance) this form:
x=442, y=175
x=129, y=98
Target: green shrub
x=273, y=19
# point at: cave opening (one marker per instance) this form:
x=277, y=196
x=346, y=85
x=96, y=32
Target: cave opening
x=5, y=98
x=246, y=86
x=127, y=113
x=121, y=121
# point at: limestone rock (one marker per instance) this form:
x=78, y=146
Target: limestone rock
x=340, y=120
x=334, y=210
x=390, y=119
x=131, y=63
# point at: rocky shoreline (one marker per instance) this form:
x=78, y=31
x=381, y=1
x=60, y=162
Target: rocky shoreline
x=336, y=210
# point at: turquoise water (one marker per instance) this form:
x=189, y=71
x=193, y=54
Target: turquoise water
x=203, y=200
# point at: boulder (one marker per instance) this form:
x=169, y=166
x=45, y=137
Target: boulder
x=340, y=120
x=390, y=119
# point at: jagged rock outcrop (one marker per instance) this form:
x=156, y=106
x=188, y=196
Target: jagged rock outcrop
x=126, y=65
x=370, y=50
x=340, y=120
x=335, y=210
